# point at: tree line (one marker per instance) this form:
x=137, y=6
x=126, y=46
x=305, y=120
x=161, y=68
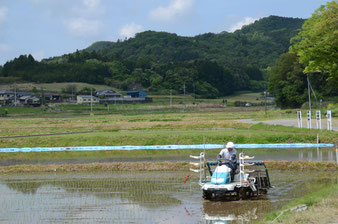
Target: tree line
x=200, y=77
x=313, y=54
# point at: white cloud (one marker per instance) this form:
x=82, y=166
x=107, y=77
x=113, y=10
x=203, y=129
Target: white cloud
x=3, y=14
x=36, y=1
x=80, y=17
x=4, y=48
x=173, y=11
x=83, y=27
x=91, y=4
x=89, y=8
x=129, y=30
x=240, y=24
x=39, y=55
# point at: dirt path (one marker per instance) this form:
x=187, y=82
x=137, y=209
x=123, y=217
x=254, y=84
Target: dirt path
x=291, y=122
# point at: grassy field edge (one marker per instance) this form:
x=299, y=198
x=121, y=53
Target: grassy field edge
x=321, y=208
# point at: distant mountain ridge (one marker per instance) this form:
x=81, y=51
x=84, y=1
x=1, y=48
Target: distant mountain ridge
x=207, y=65
x=259, y=44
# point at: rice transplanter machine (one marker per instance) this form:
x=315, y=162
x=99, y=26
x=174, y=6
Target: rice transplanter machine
x=251, y=178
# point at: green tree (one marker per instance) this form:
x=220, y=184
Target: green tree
x=316, y=45
x=86, y=91
x=287, y=82
x=70, y=89
x=117, y=70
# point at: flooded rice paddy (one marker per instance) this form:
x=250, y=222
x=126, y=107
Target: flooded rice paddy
x=139, y=197
x=289, y=154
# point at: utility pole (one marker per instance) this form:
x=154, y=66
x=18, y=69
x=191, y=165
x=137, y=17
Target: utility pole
x=171, y=100
x=91, y=100
x=73, y=92
x=309, y=93
x=42, y=95
x=193, y=86
x=184, y=95
x=15, y=94
x=265, y=93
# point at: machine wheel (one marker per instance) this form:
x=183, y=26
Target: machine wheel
x=243, y=193
x=207, y=195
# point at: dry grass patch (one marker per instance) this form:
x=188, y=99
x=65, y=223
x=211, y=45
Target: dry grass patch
x=302, y=165
x=116, y=166
x=324, y=212
x=156, y=166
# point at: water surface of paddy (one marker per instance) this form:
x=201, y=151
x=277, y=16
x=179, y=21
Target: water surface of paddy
x=138, y=197
x=289, y=154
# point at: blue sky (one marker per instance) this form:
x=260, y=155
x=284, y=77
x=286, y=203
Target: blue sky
x=46, y=28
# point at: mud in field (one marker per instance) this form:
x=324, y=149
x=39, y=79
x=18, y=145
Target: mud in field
x=139, y=197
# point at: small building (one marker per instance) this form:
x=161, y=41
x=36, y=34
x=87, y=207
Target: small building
x=82, y=99
x=108, y=94
x=30, y=101
x=137, y=94
x=52, y=98
x=8, y=97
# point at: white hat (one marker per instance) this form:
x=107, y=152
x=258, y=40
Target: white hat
x=230, y=145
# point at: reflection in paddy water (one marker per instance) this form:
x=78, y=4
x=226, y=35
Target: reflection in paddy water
x=291, y=154
x=139, y=197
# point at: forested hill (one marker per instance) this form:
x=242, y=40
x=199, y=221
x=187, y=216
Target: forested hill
x=258, y=44
x=208, y=65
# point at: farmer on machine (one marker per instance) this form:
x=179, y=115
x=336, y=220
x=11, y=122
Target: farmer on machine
x=229, y=155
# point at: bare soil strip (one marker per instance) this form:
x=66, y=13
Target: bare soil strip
x=156, y=166
x=46, y=134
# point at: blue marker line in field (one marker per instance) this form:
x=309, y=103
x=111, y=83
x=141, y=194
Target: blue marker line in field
x=169, y=147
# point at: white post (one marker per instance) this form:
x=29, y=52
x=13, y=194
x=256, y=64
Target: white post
x=300, y=121
x=309, y=119
x=317, y=146
x=318, y=154
x=300, y=155
x=309, y=156
x=330, y=156
x=318, y=120
x=329, y=120
x=336, y=154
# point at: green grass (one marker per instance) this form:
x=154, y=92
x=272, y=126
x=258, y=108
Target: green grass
x=143, y=125
x=71, y=110
x=309, y=199
x=162, y=137
x=158, y=137
x=247, y=96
